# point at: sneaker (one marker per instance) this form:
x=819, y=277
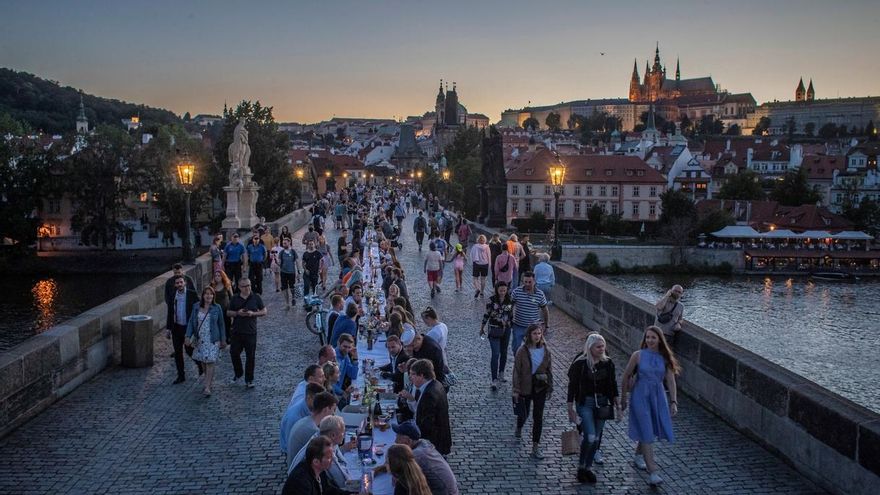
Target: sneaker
x=250, y=385
x=536, y=452
x=503, y=378
x=598, y=459
x=639, y=462
x=586, y=476
x=654, y=479
x=518, y=432
x=234, y=380
x=476, y=294
x=179, y=380
x=494, y=385
x=438, y=289
x=433, y=292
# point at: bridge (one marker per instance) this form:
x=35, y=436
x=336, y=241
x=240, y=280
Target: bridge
x=131, y=431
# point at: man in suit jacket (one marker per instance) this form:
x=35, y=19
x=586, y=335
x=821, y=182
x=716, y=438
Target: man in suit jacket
x=432, y=409
x=397, y=356
x=422, y=346
x=179, y=310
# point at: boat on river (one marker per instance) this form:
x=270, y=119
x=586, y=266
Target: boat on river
x=833, y=276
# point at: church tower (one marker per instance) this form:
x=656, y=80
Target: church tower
x=452, y=106
x=440, y=106
x=634, y=90
x=82, y=122
x=799, y=92
x=677, y=71
x=811, y=93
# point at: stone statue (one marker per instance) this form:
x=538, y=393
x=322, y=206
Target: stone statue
x=239, y=155
x=493, y=183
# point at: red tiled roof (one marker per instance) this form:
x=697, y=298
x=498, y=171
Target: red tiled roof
x=602, y=168
x=822, y=167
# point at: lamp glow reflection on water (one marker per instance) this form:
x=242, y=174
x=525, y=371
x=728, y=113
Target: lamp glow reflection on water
x=45, y=292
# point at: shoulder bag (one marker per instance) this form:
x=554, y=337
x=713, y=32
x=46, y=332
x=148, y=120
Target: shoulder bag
x=601, y=410
x=666, y=317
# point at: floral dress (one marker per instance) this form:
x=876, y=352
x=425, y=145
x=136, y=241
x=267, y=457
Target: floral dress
x=205, y=351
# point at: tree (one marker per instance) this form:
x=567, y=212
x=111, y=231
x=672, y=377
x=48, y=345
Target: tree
x=279, y=191
x=678, y=231
x=23, y=175
x=734, y=130
x=794, y=189
x=576, y=121
x=95, y=178
x=613, y=224
x=676, y=204
x=790, y=127
x=715, y=221
x=828, y=131
x=659, y=122
x=530, y=124
x=745, y=185
x=553, y=121
x=871, y=131
x=594, y=219
x=841, y=131
x=465, y=164
x=809, y=128
x=865, y=216
x=709, y=126
x=762, y=126
x=687, y=127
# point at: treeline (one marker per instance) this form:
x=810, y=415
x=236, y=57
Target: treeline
x=43, y=105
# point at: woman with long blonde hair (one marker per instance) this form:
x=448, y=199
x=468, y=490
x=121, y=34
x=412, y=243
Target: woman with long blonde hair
x=670, y=312
x=650, y=413
x=406, y=474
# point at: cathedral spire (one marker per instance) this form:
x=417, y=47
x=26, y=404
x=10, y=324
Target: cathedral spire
x=677, y=70
x=647, y=70
x=651, y=126
x=657, y=57
x=811, y=93
x=799, y=91
x=635, y=75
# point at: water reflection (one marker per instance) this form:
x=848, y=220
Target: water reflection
x=44, y=292
x=825, y=331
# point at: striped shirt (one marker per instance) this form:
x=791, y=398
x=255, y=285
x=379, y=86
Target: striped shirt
x=527, y=306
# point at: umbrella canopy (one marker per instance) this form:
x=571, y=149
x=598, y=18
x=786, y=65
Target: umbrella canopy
x=737, y=231
x=851, y=235
x=780, y=234
x=816, y=234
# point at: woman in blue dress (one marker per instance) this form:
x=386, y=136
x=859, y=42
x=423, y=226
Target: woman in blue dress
x=650, y=413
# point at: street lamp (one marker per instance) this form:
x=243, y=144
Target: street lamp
x=557, y=179
x=446, y=176
x=186, y=171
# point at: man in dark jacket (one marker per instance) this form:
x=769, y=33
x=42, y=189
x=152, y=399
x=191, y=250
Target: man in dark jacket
x=424, y=347
x=309, y=477
x=180, y=306
x=432, y=409
x=397, y=356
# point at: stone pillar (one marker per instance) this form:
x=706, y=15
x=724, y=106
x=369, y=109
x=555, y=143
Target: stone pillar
x=484, y=204
x=496, y=204
x=247, y=211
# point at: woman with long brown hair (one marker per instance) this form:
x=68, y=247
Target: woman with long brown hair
x=650, y=413
x=206, y=332
x=222, y=295
x=532, y=384
x=406, y=474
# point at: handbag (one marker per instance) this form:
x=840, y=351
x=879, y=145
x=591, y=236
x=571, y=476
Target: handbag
x=194, y=341
x=603, y=410
x=665, y=318
x=571, y=442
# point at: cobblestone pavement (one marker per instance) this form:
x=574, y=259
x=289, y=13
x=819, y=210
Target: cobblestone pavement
x=131, y=431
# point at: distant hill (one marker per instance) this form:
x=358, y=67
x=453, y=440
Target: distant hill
x=49, y=107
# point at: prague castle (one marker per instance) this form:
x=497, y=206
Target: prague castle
x=656, y=86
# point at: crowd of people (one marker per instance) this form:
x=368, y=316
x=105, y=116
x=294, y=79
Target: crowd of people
x=516, y=323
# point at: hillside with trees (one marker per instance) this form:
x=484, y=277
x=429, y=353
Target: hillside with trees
x=47, y=106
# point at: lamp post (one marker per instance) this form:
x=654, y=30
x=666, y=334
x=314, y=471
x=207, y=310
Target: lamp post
x=446, y=176
x=186, y=171
x=557, y=179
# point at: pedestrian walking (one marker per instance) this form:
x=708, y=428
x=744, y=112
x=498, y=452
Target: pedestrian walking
x=179, y=312
x=458, y=261
x=529, y=308
x=498, y=318
x=532, y=384
x=650, y=413
x=232, y=264
x=481, y=256
x=326, y=260
x=311, y=267
x=505, y=267
x=496, y=247
x=256, y=253
x=287, y=267
x=206, y=334
x=670, y=312
x=216, y=251
x=464, y=232
x=545, y=278
x=222, y=296
x=420, y=226
x=244, y=309
x=433, y=267
x=592, y=396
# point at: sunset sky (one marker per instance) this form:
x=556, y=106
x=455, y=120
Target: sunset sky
x=313, y=60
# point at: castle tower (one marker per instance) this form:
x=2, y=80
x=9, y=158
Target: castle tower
x=811, y=93
x=452, y=106
x=82, y=122
x=440, y=106
x=634, y=90
x=647, y=72
x=657, y=67
x=799, y=92
x=677, y=70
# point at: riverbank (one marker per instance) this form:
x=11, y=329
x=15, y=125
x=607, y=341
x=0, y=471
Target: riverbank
x=150, y=261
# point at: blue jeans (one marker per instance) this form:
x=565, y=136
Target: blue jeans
x=592, y=429
x=499, y=353
x=545, y=288
x=519, y=333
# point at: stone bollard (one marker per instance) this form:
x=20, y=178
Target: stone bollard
x=137, y=341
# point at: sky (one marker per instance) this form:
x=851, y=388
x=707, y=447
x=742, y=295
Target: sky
x=312, y=60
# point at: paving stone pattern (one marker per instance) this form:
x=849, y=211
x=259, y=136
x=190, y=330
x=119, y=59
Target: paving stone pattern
x=131, y=431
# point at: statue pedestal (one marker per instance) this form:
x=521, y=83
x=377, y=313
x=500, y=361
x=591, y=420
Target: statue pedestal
x=496, y=206
x=241, y=207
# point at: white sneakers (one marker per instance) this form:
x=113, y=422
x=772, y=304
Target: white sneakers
x=598, y=459
x=639, y=462
x=654, y=479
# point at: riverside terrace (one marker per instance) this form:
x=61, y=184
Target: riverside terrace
x=130, y=431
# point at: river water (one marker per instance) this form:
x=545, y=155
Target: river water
x=33, y=304
x=828, y=332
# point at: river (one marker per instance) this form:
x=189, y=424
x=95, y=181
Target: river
x=33, y=304
x=828, y=332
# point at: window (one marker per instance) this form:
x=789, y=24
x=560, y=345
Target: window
x=54, y=206
x=577, y=190
x=547, y=191
x=589, y=191
x=609, y=172
x=839, y=198
x=629, y=173
x=640, y=173
x=604, y=208
x=546, y=208
x=653, y=192
x=614, y=208
x=614, y=190
x=635, y=191
x=514, y=189
x=602, y=191
x=528, y=190
x=528, y=206
x=635, y=209
x=652, y=210
x=588, y=172
x=514, y=208
x=577, y=207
